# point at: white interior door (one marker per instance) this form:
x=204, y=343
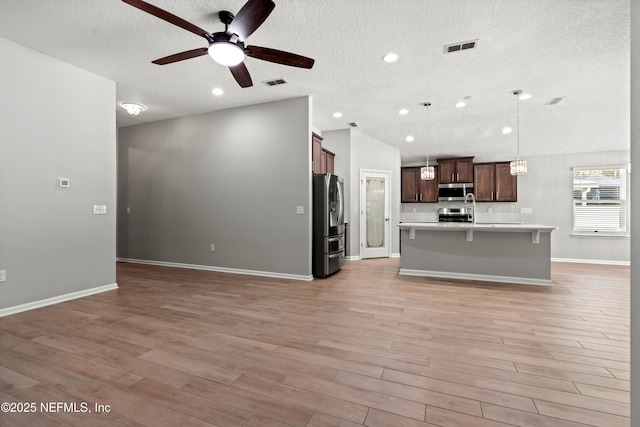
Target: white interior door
x=374, y=214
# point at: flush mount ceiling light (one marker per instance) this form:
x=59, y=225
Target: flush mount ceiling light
x=390, y=57
x=518, y=167
x=133, y=108
x=427, y=172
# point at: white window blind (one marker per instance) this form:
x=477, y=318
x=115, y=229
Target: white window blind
x=599, y=200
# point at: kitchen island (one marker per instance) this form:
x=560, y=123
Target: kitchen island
x=511, y=253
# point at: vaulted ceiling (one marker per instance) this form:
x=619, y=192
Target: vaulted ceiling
x=577, y=50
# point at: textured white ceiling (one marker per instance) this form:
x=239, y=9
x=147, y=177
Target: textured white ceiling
x=576, y=49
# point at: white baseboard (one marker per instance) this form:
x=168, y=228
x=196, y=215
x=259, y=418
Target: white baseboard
x=219, y=269
x=591, y=261
x=478, y=277
x=395, y=255
x=55, y=300
x=353, y=258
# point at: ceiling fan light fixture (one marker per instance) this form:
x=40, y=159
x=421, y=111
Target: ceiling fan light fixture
x=226, y=53
x=133, y=108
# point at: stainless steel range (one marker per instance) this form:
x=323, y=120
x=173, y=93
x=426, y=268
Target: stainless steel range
x=464, y=214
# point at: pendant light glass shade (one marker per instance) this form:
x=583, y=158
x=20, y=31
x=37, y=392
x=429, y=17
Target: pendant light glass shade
x=427, y=173
x=518, y=167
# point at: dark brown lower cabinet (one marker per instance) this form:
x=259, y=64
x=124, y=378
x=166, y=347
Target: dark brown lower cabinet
x=493, y=182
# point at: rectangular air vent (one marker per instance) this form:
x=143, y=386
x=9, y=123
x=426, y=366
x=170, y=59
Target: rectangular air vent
x=352, y=124
x=275, y=82
x=554, y=101
x=457, y=47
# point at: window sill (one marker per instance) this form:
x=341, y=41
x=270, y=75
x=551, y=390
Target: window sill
x=600, y=234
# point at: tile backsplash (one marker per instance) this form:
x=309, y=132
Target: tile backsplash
x=486, y=212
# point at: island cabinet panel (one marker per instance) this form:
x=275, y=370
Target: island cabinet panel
x=454, y=170
x=415, y=190
x=493, y=182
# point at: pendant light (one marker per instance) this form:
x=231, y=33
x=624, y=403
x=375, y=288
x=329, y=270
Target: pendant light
x=518, y=167
x=427, y=172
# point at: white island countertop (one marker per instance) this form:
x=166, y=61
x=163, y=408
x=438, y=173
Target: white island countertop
x=469, y=228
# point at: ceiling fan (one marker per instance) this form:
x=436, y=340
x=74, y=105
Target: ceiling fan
x=227, y=47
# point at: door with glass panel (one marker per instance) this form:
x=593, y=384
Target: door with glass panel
x=374, y=214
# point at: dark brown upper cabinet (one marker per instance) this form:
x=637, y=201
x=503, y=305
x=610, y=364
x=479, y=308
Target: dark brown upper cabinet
x=493, y=182
x=459, y=169
x=415, y=190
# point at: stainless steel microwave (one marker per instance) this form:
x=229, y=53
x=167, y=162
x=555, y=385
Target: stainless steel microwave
x=453, y=192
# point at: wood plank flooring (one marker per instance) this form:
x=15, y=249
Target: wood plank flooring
x=177, y=347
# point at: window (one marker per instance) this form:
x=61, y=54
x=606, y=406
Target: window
x=600, y=201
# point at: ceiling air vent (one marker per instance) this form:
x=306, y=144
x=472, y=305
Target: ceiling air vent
x=554, y=101
x=457, y=47
x=275, y=82
x=352, y=124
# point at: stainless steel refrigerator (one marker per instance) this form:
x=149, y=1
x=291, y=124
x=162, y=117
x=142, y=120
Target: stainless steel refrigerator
x=328, y=225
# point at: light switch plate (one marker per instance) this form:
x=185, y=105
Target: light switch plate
x=299, y=210
x=526, y=210
x=99, y=209
x=3, y=275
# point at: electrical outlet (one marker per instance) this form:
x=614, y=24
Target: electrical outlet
x=3, y=275
x=99, y=209
x=526, y=210
x=213, y=247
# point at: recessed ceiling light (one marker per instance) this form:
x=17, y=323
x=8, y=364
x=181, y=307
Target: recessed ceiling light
x=217, y=91
x=525, y=96
x=410, y=138
x=391, y=57
x=461, y=104
x=337, y=114
x=403, y=112
x=506, y=130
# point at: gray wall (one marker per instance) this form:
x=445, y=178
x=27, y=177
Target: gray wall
x=635, y=221
x=56, y=121
x=546, y=189
x=363, y=152
x=232, y=178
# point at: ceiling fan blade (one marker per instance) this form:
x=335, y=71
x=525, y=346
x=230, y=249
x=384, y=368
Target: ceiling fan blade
x=250, y=17
x=169, y=17
x=194, y=53
x=241, y=74
x=279, y=56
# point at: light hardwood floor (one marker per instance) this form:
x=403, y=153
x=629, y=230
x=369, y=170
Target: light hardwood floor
x=177, y=347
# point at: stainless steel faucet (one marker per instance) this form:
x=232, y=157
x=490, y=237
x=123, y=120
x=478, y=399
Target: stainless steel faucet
x=473, y=201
